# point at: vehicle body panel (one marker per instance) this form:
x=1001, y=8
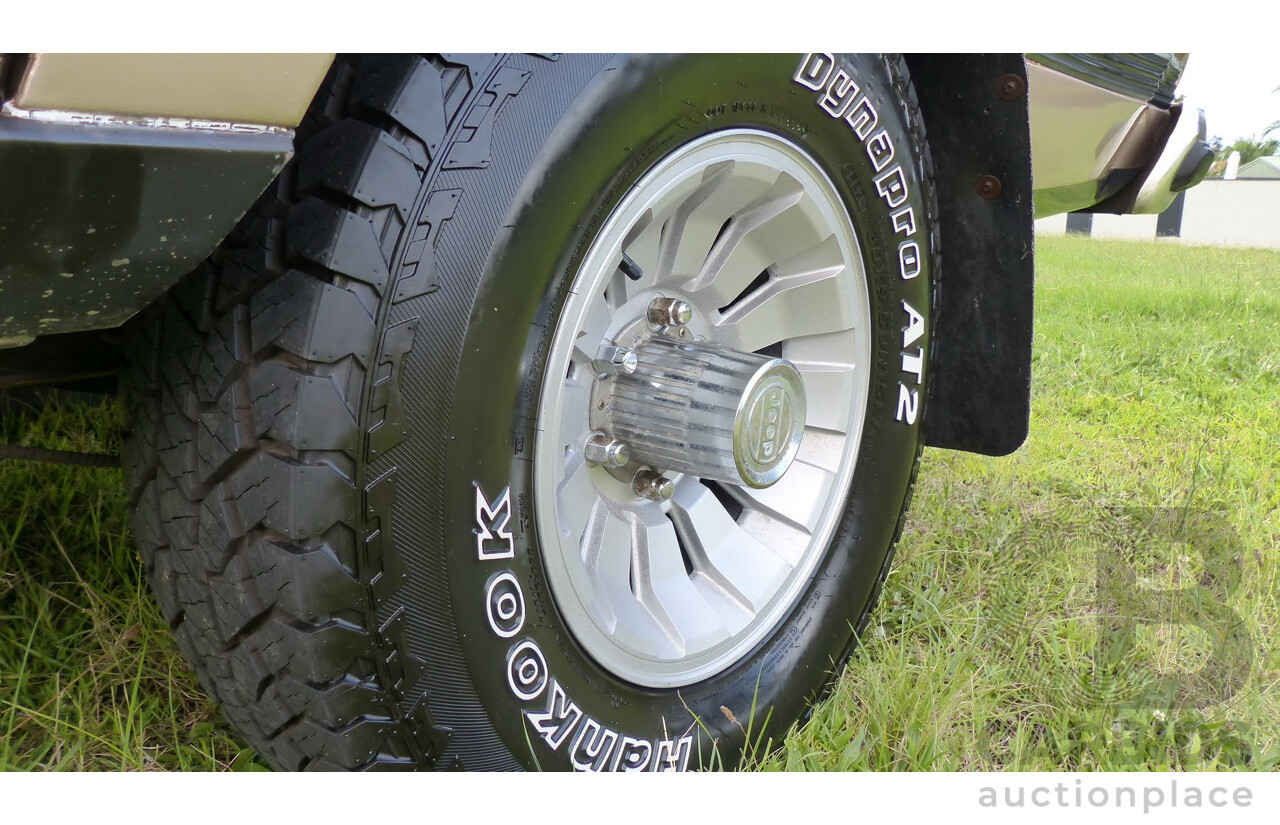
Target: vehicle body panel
x=268, y=89
x=1081, y=136
x=120, y=173
x=110, y=216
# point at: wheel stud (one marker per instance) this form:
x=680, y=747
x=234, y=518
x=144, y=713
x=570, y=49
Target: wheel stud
x=653, y=486
x=670, y=312
x=608, y=452
x=612, y=360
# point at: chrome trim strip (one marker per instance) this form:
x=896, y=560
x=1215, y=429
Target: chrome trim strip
x=180, y=124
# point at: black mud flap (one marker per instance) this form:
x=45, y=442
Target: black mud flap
x=975, y=113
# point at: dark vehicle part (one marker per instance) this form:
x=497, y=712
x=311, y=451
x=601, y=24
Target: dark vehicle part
x=980, y=394
x=334, y=459
x=111, y=214
x=76, y=358
x=17, y=452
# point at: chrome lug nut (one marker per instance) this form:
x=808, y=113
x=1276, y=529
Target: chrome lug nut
x=653, y=486
x=669, y=312
x=612, y=360
x=605, y=451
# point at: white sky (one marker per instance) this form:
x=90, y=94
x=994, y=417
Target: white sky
x=1236, y=89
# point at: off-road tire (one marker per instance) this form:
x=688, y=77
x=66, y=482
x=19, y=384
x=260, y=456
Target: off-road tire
x=310, y=429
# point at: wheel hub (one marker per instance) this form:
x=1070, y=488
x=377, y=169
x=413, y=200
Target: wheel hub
x=709, y=411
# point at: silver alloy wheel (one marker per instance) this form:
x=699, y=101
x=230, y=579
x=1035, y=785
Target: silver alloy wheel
x=747, y=229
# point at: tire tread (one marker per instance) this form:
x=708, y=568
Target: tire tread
x=246, y=511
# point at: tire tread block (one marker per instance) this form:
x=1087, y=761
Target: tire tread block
x=237, y=378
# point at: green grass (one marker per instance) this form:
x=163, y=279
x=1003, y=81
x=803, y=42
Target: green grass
x=90, y=678
x=1105, y=598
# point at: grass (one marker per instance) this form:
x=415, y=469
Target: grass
x=1105, y=598
x=89, y=676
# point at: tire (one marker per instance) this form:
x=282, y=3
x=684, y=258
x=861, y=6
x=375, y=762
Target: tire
x=335, y=461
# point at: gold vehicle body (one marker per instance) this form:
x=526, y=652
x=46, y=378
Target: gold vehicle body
x=266, y=89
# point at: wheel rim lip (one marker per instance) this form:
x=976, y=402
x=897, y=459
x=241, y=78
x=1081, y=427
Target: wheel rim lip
x=571, y=594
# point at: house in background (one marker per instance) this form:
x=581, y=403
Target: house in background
x=1260, y=169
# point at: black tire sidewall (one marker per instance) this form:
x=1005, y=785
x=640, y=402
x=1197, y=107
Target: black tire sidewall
x=626, y=118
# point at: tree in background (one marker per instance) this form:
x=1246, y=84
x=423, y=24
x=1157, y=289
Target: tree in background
x=1250, y=148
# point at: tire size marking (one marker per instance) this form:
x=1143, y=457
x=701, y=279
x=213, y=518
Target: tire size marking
x=558, y=720
x=841, y=97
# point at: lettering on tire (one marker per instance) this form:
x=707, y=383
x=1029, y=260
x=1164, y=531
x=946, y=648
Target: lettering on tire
x=842, y=97
x=553, y=715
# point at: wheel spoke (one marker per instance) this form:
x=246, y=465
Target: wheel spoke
x=783, y=539
x=695, y=225
x=641, y=245
x=608, y=557
x=576, y=496
x=643, y=242
x=804, y=295
x=663, y=586
x=830, y=351
x=737, y=573
x=821, y=448
x=829, y=395
x=797, y=499
x=616, y=293
x=754, y=238
x=576, y=419
x=674, y=227
x=591, y=333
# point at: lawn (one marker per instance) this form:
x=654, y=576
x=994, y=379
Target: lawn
x=1105, y=598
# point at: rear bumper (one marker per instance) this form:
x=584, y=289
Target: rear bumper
x=1182, y=164
x=1110, y=141
x=1181, y=160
